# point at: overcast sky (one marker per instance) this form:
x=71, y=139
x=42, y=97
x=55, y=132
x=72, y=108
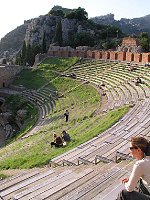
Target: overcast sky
x=14, y=12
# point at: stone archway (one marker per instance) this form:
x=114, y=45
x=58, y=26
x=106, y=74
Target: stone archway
x=130, y=49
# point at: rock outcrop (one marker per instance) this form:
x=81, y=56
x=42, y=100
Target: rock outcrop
x=38, y=27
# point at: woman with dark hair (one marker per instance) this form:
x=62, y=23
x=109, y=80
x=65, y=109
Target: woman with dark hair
x=57, y=141
x=140, y=175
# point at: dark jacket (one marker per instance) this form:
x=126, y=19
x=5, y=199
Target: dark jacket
x=58, y=140
x=66, y=137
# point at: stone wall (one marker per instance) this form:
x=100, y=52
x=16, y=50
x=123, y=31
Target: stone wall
x=103, y=55
x=39, y=57
x=130, y=41
x=145, y=57
x=8, y=73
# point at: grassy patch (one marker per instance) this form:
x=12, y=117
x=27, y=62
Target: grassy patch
x=35, y=151
x=59, y=64
x=34, y=78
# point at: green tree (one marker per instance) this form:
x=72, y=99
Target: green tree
x=144, y=41
x=44, y=44
x=110, y=44
x=78, y=13
x=30, y=56
x=58, y=33
x=83, y=39
x=17, y=61
x=35, y=50
x=56, y=13
x=23, y=53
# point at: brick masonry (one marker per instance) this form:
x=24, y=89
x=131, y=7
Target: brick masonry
x=104, y=55
x=129, y=51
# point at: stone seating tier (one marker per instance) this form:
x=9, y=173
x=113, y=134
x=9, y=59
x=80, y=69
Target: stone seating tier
x=84, y=182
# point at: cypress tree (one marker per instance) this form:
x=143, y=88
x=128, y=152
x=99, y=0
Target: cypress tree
x=23, y=54
x=29, y=55
x=44, y=44
x=58, y=33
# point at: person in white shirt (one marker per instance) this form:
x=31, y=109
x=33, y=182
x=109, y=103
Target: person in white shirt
x=137, y=186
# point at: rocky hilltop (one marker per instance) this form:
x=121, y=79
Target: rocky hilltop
x=33, y=30
x=128, y=26
x=47, y=25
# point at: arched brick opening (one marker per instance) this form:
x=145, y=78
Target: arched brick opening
x=108, y=55
x=69, y=54
x=132, y=57
x=93, y=54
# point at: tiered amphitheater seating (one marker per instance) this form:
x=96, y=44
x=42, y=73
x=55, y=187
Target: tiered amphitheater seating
x=119, y=86
x=45, y=102
x=94, y=181
x=52, y=104
x=42, y=100
x=63, y=183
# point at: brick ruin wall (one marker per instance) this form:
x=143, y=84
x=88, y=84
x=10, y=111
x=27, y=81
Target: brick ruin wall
x=138, y=58
x=130, y=41
x=8, y=74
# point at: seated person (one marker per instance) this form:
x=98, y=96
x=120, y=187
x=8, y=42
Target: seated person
x=81, y=59
x=66, y=136
x=147, y=64
x=103, y=93
x=57, y=141
x=103, y=83
x=129, y=68
x=73, y=75
x=137, y=185
x=138, y=80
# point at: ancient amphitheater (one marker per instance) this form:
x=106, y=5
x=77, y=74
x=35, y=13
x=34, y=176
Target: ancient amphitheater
x=92, y=170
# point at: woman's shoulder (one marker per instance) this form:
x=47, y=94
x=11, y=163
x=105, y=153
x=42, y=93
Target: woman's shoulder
x=143, y=161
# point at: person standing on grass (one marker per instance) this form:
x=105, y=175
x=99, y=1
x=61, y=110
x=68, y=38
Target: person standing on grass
x=137, y=186
x=66, y=115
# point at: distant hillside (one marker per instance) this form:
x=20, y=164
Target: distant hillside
x=128, y=26
x=14, y=39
